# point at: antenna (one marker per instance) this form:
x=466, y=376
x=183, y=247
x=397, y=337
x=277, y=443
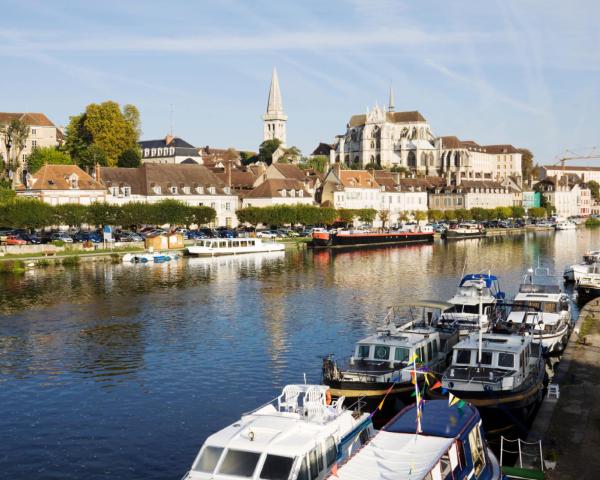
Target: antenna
x=172, y=115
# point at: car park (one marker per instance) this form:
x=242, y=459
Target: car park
x=266, y=234
x=61, y=236
x=15, y=240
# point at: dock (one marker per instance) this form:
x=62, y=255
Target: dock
x=569, y=425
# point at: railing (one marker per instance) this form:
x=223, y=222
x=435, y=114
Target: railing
x=478, y=374
x=533, y=461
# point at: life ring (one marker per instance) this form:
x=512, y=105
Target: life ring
x=327, y=397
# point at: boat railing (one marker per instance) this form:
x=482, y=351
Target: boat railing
x=530, y=457
x=483, y=375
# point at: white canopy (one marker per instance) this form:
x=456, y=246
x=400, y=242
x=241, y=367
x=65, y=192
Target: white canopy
x=395, y=456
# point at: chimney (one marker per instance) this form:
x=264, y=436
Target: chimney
x=97, y=172
x=169, y=139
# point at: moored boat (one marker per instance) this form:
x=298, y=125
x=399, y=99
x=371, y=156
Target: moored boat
x=358, y=238
x=295, y=436
x=212, y=247
x=449, y=444
x=148, y=257
x=588, y=288
x=464, y=230
x=565, y=225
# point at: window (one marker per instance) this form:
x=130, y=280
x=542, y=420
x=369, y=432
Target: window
x=276, y=467
x=463, y=356
x=402, y=354
x=239, y=463
x=126, y=191
x=33, y=143
x=381, y=352
x=422, y=354
x=173, y=190
x=486, y=358
x=331, y=452
x=477, y=454
x=363, y=351
x=435, y=347
x=283, y=193
x=208, y=460
x=445, y=467
x=506, y=360
x=153, y=152
x=228, y=207
x=303, y=474
x=213, y=205
x=33, y=131
x=319, y=458
x=314, y=470
x=429, y=351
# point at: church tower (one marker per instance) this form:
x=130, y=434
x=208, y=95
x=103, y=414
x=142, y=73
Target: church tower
x=274, y=120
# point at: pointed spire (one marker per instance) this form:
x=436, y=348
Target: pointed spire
x=275, y=104
x=391, y=105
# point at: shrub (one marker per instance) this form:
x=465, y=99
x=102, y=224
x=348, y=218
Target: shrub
x=70, y=261
x=592, y=222
x=12, y=266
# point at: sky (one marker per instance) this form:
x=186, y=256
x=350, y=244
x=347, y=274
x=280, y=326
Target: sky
x=520, y=72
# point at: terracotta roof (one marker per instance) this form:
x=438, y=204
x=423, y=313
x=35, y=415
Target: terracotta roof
x=390, y=180
x=394, y=117
x=357, y=179
x=144, y=179
x=451, y=141
x=239, y=179
x=56, y=177
x=272, y=188
x=480, y=184
x=500, y=149
x=290, y=171
x=33, y=119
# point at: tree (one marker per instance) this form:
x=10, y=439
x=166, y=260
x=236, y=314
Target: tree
x=449, y=215
x=318, y=163
x=480, y=214
x=435, y=215
x=346, y=215
x=70, y=214
x=367, y=215
x=14, y=135
x=267, y=149
x=289, y=155
x=420, y=216
x=47, y=155
x=384, y=216
x=462, y=214
x=518, y=212
x=398, y=169
x=130, y=158
x=373, y=166
x=132, y=117
x=537, y=212
x=502, y=213
x=526, y=163
x=595, y=189
x=91, y=156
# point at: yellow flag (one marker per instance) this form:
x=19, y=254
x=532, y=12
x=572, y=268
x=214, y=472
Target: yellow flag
x=452, y=399
x=413, y=358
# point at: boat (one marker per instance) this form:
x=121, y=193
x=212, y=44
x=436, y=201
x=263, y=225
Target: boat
x=474, y=305
x=573, y=273
x=497, y=372
x=358, y=238
x=149, y=257
x=297, y=435
x=381, y=364
x=542, y=310
x=591, y=256
x=565, y=225
x=464, y=230
x=450, y=444
x=588, y=288
x=212, y=247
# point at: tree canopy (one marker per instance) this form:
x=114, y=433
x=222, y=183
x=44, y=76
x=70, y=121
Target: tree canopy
x=14, y=135
x=130, y=158
x=50, y=155
x=318, y=163
x=594, y=189
x=267, y=149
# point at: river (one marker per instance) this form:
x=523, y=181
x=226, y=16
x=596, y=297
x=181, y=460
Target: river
x=121, y=371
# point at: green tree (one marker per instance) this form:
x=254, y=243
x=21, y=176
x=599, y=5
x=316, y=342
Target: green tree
x=449, y=215
x=518, y=212
x=420, y=216
x=289, y=155
x=435, y=215
x=26, y=213
x=267, y=149
x=346, y=215
x=537, y=212
x=130, y=158
x=71, y=214
x=502, y=213
x=479, y=214
x=384, y=216
x=366, y=215
x=318, y=163
x=526, y=163
x=47, y=155
x=91, y=156
x=594, y=189
x=373, y=166
x=6, y=194
x=14, y=135
x=398, y=169
x=132, y=117
x=462, y=214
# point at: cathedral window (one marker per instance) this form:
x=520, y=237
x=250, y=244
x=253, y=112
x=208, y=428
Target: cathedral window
x=372, y=144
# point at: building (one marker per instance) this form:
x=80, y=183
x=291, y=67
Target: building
x=567, y=195
x=353, y=189
x=586, y=174
x=193, y=185
x=62, y=184
x=278, y=191
x=468, y=194
x=400, y=196
x=42, y=132
x=508, y=160
x=169, y=150
x=531, y=199
x=309, y=178
x=275, y=120
x=322, y=150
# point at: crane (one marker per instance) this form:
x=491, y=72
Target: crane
x=574, y=156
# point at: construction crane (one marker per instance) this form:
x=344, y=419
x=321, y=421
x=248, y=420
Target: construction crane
x=573, y=156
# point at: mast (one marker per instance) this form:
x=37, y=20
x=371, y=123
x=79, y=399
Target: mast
x=480, y=288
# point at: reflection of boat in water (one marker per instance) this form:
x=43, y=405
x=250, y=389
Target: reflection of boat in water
x=235, y=261
x=450, y=444
x=297, y=435
x=213, y=247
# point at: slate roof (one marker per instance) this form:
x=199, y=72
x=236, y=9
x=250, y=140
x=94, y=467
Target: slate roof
x=32, y=119
x=56, y=177
x=322, y=149
x=272, y=188
x=162, y=142
x=394, y=117
x=142, y=180
x=571, y=168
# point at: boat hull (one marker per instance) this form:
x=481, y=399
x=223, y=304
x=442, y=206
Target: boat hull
x=340, y=240
x=219, y=252
x=587, y=293
x=452, y=235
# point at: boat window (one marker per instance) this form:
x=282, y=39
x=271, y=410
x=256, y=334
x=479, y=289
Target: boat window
x=402, y=354
x=363, y=351
x=319, y=457
x=435, y=348
x=303, y=473
x=477, y=455
x=314, y=470
x=429, y=351
x=364, y=436
x=208, y=460
x=549, y=307
x=463, y=356
x=239, y=463
x=276, y=467
x=381, y=352
x=506, y=360
x=486, y=358
x=420, y=351
x=331, y=452
x=445, y=467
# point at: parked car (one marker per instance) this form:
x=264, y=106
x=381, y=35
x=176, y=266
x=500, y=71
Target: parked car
x=196, y=235
x=266, y=234
x=61, y=236
x=226, y=233
x=30, y=238
x=82, y=237
x=125, y=236
x=155, y=232
x=5, y=232
x=15, y=240
x=209, y=232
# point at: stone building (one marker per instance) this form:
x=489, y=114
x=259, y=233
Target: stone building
x=169, y=150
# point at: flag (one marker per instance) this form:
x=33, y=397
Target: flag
x=437, y=384
x=334, y=470
x=413, y=358
x=453, y=399
x=413, y=377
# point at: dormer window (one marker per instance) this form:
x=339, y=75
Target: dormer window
x=114, y=191
x=159, y=151
x=300, y=193
x=173, y=190
x=283, y=193
x=292, y=193
x=73, y=181
x=212, y=190
x=146, y=152
x=186, y=190
x=172, y=151
x=153, y=152
x=156, y=189
x=200, y=190
x=126, y=191
x=227, y=190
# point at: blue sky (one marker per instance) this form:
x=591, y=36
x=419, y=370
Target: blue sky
x=522, y=72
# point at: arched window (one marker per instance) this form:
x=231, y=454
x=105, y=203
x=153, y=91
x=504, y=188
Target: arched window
x=372, y=160
x=378, y=159
x=356, y=159
x=431, y=159
x=423, y=159
x=457, y=159
x=448, y=159
x=412, y=159
x=347, y=159
x=372, y=144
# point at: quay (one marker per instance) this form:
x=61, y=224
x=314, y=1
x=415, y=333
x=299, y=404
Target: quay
x=569, y=425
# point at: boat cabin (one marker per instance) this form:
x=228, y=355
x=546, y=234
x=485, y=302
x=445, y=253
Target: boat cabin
x=505, y=362
x=296, y=436
x=450, y=445
x=228, y=242
x=532, y=321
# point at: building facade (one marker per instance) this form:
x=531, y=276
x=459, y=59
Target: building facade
x=586, y=174
x=568, y=198
x=280, y=191
x=169, y=150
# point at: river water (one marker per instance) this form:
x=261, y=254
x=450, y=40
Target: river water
x=121, y=371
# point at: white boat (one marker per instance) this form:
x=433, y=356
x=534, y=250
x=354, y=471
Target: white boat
x=149, y=257
x=474, y=304
x=464, y=230
x=573, y=273
x=591, y=256
x=565, y=225
x=450, y=445
x=588, y=288
x=212, y=247
x=295, y=436
x=542, y=310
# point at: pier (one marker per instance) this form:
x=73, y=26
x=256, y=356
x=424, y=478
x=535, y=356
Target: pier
x=570, y=424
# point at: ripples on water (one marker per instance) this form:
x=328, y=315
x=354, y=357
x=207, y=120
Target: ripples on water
x=121, y=371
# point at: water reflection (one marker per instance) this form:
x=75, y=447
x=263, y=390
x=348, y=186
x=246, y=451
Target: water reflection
x=120, y=371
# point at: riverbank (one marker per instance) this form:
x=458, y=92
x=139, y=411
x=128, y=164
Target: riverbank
x=570, y=426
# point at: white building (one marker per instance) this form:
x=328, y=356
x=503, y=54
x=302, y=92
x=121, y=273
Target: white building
x=353, y=189
x=61, y=184
x=42, y=132
x=586, y=174
x=275, y=120
x=278, y=192
x=169, y=150
x=400, y=196
x=194, y=185
x=569, y=198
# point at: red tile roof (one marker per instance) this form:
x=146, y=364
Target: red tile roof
x=56, y=177
x=272, y=188
x=357, y=179
x=32, y=119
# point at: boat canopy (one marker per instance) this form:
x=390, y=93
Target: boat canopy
x=489, y=279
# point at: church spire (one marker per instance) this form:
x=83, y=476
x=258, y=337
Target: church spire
x=391, y=104
x=275, y=104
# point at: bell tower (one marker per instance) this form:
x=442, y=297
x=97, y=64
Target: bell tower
x=275, y=119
